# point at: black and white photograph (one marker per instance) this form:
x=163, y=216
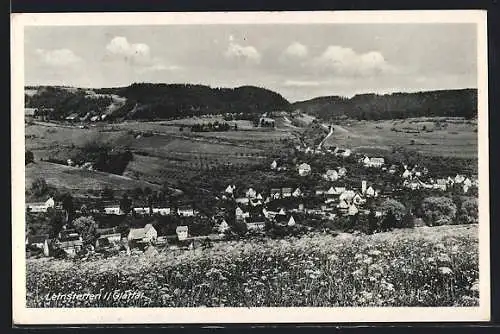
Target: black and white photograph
x=250, y=167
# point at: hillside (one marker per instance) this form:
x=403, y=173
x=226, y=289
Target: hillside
x=154, y=101
x=410, y=267
x=444, y=103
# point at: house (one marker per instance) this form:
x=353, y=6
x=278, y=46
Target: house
x=467, y=182
x=108, y=238
x=375, y=162
x=141, y=211
x=365, y=161
x=440, y=184
x=182, y=232
x=71, y=246
x=185, y=211
x=304, y=169
x=370, y=192
x=242, y=200
x=229, y=190
x=274, y=165
x=223, y=227
x=286, y=192
x=331, y=175
x=113, y=210
x=358, y=199
x=30, y=112
x=346, y=153
x=319, y=192
x=146, y=234
x=255, y=202
x=161, y=211
x=41, y=206
x=297, y=193
x=343, y=205
x=275, y=193
x=459, y=178
x=240, y=214
x=347, y=195
x=256, y=225
x=291, y=221
x=259, y=197
x=392, y=169
x=251, y=193
x=72, y=117
x=36, y=241
x=342, y=171
x=352, y=210
x=406, y=174
x=450, y=181
x=465, y=188
x=95, y=118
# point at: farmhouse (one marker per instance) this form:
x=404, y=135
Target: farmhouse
x=297, y=193
x=108, y=239
x=146, y=234
x=36, y=241
x=275, y=193
x=304, y=169
x=358, y=199
x=286, y=192
x=113, y=210
x=69, y=241
x=256, y=224
x=459, y=178
x=251, y=193
x=141, y=211
x=373, y=162
x=162, y=211
x=242, y=200
x=185, y=211
x=182, y=232
x=266, y=122
x=406, y=174
x=40, y=206
x=440, y=184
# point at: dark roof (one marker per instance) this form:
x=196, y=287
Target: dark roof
x=34, y=239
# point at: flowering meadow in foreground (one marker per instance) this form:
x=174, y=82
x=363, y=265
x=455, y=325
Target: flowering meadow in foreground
x=414, y=267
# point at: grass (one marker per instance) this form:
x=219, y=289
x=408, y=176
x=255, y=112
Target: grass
x=457, y=139
x=417, y=267
x=79, y=180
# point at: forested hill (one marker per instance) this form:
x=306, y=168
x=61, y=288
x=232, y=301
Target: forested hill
x=449, y=103
x=156, y=101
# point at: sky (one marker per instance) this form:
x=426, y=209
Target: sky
x=299, y=61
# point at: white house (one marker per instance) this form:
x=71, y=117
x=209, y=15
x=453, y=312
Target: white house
x=141, y=211
x=274, y=165
x=113, y=210
x=347, y=195
x=374, y=162
x=459, y=178
x=342, y=171
x=370, y=192
x=358, y=199
x=406, y=174
x=223, y=227
x=297, y=193
x=182, y=232
x=185, y=211
x=304, y=169
x=229, y=190
x=465, y=188
x=41, y=206
x=331, y=175
x=352, y=210
x=347, y=153
x=145, y=234
x=343, y=205
x=291, y=221
x=162, y=211
x=256, y=225
x=242, y=200
x=467, y=182
x=251, y=193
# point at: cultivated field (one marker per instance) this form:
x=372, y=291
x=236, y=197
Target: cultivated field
x=79, y=180
x=417, y=267
x=430, y=136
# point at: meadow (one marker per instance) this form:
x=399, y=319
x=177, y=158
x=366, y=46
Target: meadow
x=416, y=267
x=430, y=136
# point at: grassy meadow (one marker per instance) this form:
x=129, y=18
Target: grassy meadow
x=417, y=267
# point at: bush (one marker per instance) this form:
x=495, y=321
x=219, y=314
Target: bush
x=468, y=213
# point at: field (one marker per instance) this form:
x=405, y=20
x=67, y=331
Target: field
x=418, y=267
x=79, y=180
x=430, y=136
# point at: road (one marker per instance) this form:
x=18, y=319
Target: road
x=327, y=136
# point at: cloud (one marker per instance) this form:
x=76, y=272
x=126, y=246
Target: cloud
x=248, y=54
x=58, y=57
x=296, y=50
x=301, y=83
x=347, y=62
x=138, y=55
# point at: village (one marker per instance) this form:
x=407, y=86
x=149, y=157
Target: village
x=340, y=197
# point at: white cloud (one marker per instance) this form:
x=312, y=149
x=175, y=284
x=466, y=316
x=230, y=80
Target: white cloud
x=246, y=53
x=301, y=83
x=346, y=61
x=296, y=50
x=137, y=55
x=58, y=57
